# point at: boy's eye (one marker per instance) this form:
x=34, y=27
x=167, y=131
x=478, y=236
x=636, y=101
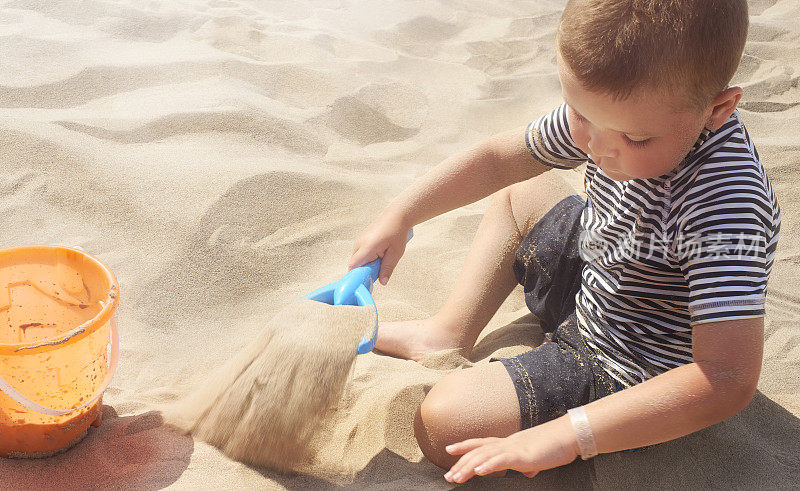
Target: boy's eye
x=635, y=143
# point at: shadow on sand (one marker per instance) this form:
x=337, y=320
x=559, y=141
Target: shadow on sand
x=131, y=452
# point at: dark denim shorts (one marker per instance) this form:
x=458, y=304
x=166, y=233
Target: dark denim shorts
x=562, y=372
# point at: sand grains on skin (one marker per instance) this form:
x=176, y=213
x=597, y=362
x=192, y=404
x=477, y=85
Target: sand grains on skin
x=264, y=406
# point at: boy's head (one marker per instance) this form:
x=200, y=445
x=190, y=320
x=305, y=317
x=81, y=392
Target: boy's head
x=643, y=77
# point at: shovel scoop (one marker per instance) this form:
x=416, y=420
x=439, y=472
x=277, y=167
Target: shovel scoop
x=355, y=288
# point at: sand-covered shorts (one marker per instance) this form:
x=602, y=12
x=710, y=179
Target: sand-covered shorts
x=562, y=372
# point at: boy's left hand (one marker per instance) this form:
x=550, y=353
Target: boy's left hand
x=542, y=447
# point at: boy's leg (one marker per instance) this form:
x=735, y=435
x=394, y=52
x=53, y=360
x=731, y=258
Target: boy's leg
x=476, y=402
x=498, y=399
x=487, y=276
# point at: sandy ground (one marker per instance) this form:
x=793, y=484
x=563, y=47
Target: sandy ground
x=221, y=156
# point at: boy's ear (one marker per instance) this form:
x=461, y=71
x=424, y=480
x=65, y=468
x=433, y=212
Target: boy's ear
x=723, y=106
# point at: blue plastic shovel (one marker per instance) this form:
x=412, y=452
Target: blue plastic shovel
x=355, y=288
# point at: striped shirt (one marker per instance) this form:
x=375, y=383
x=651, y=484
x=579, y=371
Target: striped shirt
x=694, y=245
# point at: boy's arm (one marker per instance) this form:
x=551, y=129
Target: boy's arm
x=719, y=383
x=497, y=162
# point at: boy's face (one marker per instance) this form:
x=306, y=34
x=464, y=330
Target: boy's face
x=638, y=138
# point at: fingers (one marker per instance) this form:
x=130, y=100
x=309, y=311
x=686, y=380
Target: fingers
x=465, y=467
x=479, y=463
x=497, y=463
x=485, y=460
x=354, y=255
x=390, y=259
x=485, y=456
x=361, y=257
x=478, y=451
x=465, y=446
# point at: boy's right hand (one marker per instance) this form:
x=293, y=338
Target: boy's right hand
x=385, y=238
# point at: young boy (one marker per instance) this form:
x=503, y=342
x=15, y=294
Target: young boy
x=651, y=292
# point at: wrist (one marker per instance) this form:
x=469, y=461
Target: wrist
x=582, y=429
x=561, y=430
x=569, y=435
x=397, y=214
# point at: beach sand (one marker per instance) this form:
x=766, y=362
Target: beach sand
x=221, y=156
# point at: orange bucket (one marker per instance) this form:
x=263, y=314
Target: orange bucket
x=58, y=347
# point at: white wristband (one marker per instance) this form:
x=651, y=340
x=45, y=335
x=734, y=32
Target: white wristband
x=583, y=432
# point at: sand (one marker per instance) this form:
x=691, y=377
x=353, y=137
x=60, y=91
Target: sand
x=221, y=157
x=265, y=405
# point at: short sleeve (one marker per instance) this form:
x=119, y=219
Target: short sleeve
x=549, y=140
x=722, y=248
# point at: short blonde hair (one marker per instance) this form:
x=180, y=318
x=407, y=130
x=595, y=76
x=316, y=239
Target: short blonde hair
x=689, y=48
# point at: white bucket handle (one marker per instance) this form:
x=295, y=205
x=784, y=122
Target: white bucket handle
x=112, y=367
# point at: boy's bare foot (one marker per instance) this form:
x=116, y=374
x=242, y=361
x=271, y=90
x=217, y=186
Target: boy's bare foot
x=414, y=339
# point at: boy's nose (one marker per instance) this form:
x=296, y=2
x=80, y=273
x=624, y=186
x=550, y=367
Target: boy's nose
x=599, y=146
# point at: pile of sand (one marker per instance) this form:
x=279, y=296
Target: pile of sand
x=268, y=402
x=222, y=155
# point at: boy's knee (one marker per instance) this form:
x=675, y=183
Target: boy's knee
x=530, y=200
x=475, y=402
x=434, y=423
x=504, y=200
